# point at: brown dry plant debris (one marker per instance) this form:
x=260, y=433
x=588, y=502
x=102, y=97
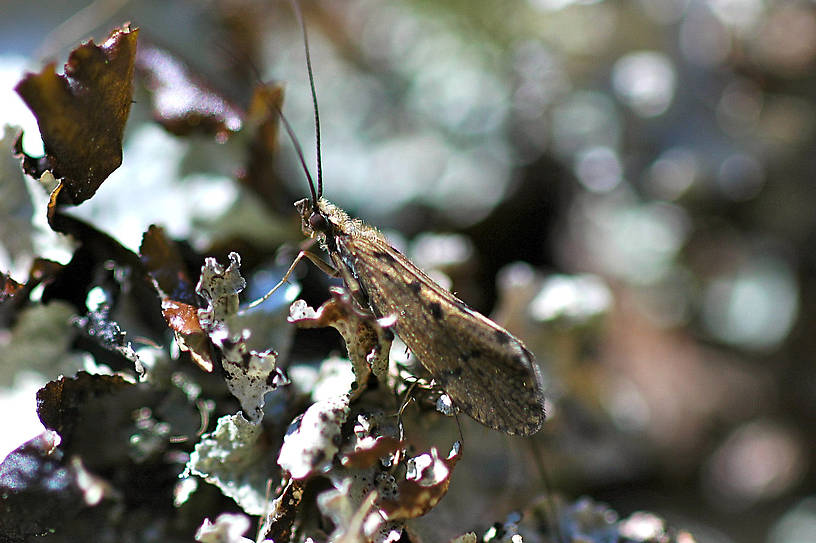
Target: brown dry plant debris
x=82, y=113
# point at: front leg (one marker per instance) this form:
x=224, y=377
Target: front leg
x=324, y=266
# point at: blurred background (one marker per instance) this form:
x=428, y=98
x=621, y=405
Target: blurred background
x=627, y=185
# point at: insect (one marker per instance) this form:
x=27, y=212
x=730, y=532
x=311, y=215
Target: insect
x=487, y=372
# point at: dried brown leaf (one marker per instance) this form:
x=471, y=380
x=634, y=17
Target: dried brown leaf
x=60, y=402
x=164, y=264
x=40, y=494
x=82, y=113
x=181, y=103
x=422, y=488
x=162, y=260
x=8, y=287
x=263, y=120
x=368, y=453
x=16, y=294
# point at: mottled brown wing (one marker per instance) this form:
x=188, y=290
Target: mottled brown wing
x=487, y=372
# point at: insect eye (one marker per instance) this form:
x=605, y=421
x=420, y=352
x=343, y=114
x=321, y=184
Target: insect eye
x=318, y=222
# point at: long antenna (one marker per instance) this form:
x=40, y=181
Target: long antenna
x=289, y=130
x=299, y=16
x=299, y=151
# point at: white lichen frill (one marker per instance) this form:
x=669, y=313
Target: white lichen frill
x=310, y=448
x=227, y=528
x=232, y=459
x=249, y=374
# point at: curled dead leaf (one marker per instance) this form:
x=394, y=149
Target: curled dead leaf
x=82, y=113
x=164, y=264
x=426, y=482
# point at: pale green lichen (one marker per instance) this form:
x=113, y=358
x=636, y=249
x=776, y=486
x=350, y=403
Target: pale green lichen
x=233, y=459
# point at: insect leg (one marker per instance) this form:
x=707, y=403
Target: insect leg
x=406, y=399
x=316, y=260
x=324, y=266
x=266, y=296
